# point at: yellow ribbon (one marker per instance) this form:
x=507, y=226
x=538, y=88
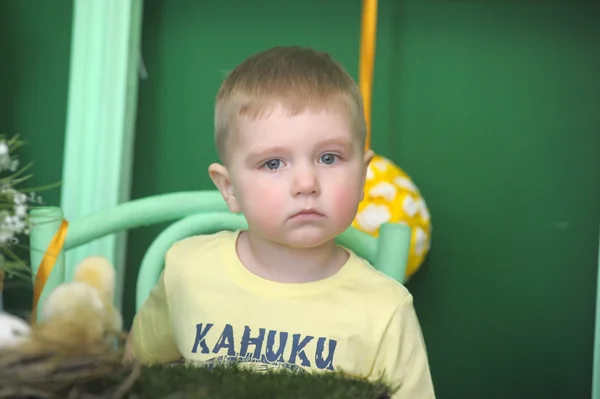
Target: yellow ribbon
x=47, y=264
x=367, y=59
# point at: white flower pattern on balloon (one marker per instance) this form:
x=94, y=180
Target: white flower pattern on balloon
x=392, y=196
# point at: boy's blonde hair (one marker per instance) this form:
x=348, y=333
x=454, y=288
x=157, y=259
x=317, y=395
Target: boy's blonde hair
x=296, y=78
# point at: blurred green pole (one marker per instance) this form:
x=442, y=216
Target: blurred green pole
x=101, y=112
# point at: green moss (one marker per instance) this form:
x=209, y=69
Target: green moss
x=232, y=382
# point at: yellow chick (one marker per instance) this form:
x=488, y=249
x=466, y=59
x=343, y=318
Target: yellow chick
x=79, y=317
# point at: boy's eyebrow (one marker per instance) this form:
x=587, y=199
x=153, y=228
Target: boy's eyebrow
x=264, y=152
x=341, y=140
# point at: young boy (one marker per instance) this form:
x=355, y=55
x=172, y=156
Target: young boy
x=290, y=131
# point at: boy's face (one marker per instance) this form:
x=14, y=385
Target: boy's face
x=297, y=179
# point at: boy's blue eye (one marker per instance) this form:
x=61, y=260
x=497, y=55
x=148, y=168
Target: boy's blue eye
x=273, y=164
x=328, y=159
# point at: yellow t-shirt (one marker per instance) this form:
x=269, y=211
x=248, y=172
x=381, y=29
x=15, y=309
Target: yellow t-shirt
x=208, y=308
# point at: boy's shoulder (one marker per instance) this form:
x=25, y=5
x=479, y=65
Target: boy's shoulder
x=203, y=245
x=378, y=286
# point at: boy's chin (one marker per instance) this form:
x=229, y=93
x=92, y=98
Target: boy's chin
x=306, y=238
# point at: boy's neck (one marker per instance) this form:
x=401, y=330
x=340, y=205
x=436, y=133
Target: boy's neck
x=280, y=263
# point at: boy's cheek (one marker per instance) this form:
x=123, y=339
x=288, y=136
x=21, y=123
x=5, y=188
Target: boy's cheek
x=346, y=199
x=259, y=197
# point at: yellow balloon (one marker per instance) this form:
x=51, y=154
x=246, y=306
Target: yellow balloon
x=391, y=196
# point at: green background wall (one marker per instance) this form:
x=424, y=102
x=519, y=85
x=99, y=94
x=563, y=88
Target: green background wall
x=491, y=107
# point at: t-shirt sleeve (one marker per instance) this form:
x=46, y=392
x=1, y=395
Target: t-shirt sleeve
x=153, y=340
x=402, y=356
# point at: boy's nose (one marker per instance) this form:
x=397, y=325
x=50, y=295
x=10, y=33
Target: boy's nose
x=305, y=182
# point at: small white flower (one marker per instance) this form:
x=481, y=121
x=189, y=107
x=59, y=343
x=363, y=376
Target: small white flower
x=3, y=148
x=14, y=165
x=4, y=162
x=20, y=198
x=20, y=210
x=5, y=236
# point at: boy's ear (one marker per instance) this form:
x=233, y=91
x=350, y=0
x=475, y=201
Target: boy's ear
x=220, y=177
x=367, y=158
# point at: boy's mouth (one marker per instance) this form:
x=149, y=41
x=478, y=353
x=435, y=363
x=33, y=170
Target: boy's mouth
x=307, y=214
